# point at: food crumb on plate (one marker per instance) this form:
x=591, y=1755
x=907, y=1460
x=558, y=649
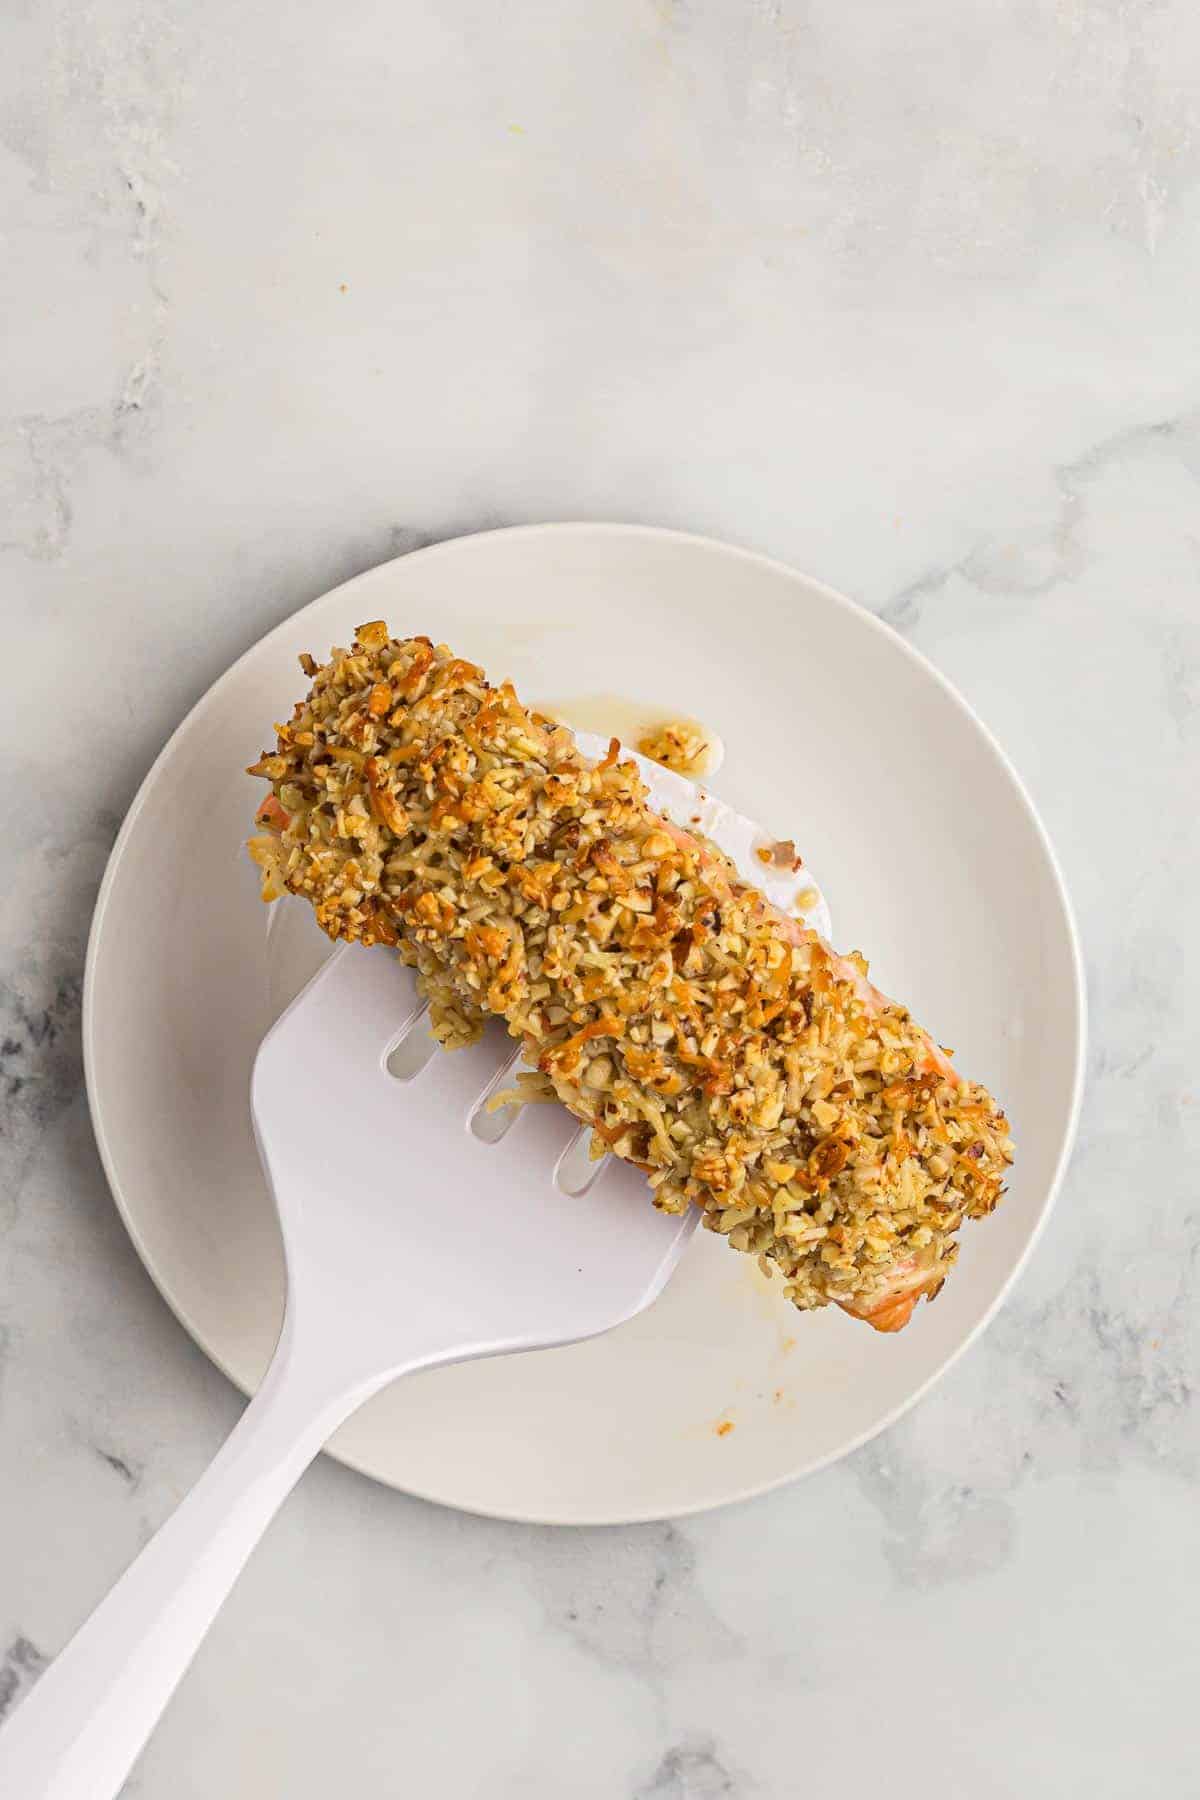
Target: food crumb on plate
x=782, y=854
x=682, y=745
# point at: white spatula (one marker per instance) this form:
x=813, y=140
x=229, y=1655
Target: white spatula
x=417, y=1231
x=410, y=1241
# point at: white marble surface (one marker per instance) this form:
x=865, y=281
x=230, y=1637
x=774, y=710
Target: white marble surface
x=904, y=293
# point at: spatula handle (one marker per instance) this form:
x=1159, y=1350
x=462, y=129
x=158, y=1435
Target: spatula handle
x=79, y=1732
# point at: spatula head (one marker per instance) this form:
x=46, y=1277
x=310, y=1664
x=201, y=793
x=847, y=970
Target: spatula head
x=403, y=1220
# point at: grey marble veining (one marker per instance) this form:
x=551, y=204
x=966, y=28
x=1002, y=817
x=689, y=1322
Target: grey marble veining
x=903, y=294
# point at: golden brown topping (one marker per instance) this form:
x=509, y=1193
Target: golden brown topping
x=828, y=1159
x=700, y=1033
x=384, y=803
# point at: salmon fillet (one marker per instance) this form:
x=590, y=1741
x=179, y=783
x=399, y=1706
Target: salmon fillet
x=721, y=1046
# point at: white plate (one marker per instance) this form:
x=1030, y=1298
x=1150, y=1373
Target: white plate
x=933, y=861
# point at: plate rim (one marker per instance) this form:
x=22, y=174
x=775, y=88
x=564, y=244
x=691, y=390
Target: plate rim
x=863, y=616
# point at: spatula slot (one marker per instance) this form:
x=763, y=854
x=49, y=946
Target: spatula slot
x=490, y=1127
x=576, y=1171
x=414, y=1048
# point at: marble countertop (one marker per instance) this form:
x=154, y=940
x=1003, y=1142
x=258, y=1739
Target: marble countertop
x=904, y=294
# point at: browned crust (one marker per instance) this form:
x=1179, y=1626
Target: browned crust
x=722, y=1047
